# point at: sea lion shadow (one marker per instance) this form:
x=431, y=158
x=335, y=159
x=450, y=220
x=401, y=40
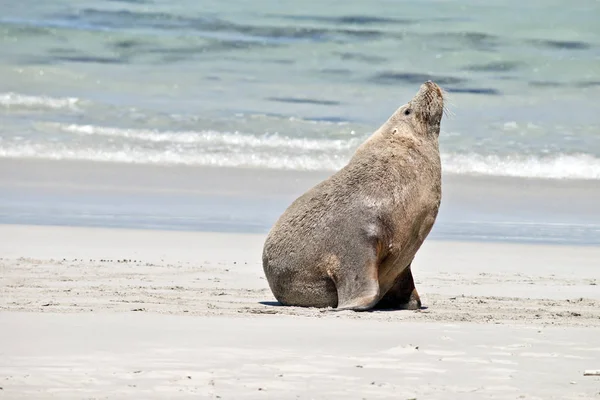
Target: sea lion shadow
x=278, y=304
x=422, y=308
x=271, y=303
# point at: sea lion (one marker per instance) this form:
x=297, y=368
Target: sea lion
x=348, y=243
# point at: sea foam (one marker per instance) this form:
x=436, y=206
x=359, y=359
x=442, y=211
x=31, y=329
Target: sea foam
x=266, y=150
x=10, y=100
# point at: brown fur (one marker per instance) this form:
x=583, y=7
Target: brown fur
x=349, y=241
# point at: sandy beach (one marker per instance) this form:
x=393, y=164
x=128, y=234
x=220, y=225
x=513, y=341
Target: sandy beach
x=115, y=313
x=147, y=147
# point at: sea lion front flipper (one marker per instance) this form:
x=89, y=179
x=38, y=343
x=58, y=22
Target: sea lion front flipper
x=358, y=286
x=402, y=295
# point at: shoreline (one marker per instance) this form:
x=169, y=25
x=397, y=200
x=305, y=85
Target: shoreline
x=154, y=176
x=231, y=200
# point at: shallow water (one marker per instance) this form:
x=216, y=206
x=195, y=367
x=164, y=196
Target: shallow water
x=76, y=193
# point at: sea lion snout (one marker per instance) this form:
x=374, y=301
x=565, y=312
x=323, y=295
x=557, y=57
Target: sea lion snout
x=428, y=105
x=431, y=85
x=429, y=92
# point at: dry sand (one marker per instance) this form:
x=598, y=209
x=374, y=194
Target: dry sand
x=99, y=313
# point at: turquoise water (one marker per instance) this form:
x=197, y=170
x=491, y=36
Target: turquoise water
x=281, y=87
x=298, y=85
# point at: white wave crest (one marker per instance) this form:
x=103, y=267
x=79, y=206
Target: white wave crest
x=558, y=166
x=300, y=162
x=9, y=100
x=210, y=137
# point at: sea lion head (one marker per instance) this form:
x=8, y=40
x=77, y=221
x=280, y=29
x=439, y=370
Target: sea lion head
x=424, y=112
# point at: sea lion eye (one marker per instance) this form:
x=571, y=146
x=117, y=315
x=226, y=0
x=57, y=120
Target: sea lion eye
x=407, y=111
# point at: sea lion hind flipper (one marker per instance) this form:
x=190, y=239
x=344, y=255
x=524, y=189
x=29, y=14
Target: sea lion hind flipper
x=402, y=295
x=357, y=288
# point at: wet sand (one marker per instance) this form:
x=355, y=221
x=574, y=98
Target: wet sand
x=78, y=193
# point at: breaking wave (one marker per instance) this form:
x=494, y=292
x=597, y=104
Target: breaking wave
x=15, y=100
x=272, y=150
x=557, y=166
x=211, y=137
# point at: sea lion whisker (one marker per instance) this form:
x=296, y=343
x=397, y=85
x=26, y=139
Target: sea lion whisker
x=447, y=112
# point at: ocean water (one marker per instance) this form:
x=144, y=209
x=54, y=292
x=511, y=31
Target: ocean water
x=297, y=86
